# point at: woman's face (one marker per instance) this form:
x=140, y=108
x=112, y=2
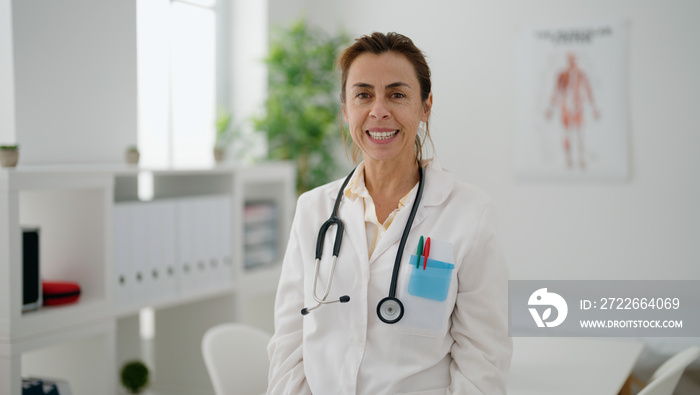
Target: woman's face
x=383, y=107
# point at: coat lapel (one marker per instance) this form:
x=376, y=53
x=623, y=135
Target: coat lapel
x=352, y=214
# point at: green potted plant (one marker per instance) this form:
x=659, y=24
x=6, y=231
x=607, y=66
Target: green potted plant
x=230, y=138
x=224, y=133
x=302, y=107
x=134, y=376
x=9, y=155
x=132, y=155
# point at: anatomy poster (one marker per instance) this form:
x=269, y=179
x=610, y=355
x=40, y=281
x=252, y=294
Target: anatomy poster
x=572, y=111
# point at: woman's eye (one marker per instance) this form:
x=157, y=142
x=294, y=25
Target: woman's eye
x=362, y=95
x=397, y=95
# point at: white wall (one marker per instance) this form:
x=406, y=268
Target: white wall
x=248, y=72
x=7, y=83
x=75, y=80
x=645, y=228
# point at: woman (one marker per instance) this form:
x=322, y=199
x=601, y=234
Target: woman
x=448, y=336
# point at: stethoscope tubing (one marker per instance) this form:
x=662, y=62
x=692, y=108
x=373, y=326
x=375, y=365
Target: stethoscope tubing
x=404, y=236
x=330, y=280
x=390, y=309
x=333, y=220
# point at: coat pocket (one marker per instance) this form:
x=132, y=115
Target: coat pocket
x=426, y=294
x=429, y=279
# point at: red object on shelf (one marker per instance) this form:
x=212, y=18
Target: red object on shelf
x=59, y=292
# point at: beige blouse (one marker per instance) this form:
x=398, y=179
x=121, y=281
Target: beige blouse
x=357, y=189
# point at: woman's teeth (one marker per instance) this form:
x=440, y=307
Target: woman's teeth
x=383, y=135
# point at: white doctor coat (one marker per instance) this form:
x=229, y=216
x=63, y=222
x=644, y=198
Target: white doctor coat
x=459, y=345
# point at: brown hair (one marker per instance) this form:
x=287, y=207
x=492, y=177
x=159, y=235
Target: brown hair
x=376, y=44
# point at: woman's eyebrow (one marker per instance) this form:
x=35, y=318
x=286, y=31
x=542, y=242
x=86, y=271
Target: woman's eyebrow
x=363, y=85
x=398, y=84
x=390, y=86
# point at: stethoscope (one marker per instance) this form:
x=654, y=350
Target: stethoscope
x=390, y=309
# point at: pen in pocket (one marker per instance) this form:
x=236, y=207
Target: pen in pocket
x=419, y=251
x=426, y=252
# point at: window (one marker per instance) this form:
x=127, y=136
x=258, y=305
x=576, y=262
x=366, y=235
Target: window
x=176, y=81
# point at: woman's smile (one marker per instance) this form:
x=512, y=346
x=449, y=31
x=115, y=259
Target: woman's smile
x=382, y=135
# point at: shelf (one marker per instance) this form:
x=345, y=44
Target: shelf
x=77, y=332
x=57, y=319
x=71, y=210
x=168, y=185
x=270, y=168
x=49, y=178
x=194, y=296
x=76, y=209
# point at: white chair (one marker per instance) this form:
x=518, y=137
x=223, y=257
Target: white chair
x=236, y=359
x=665, y=378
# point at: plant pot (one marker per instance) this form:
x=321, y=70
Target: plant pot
x=219, y=154
x=134, y=376
x=9, y=157
x=132, y=157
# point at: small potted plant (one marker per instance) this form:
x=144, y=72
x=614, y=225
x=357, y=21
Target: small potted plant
x=9, y=155
x=134, y=376
x=132, y=155
x=224, y=134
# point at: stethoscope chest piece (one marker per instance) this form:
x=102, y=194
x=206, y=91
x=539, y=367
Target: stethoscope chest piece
x=390, y=310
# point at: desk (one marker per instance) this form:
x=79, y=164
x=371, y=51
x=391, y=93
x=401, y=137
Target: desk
x=572, y=366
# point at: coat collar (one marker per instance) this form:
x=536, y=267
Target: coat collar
x=439, y=183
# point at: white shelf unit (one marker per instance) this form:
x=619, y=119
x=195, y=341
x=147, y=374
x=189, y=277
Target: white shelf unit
x=86, y=342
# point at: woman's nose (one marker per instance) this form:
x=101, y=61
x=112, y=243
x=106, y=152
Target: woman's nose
x=379, y=109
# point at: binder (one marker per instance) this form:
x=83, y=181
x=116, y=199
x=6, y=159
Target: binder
x=185, y=243
x=171, y=247
x=140, y=233
x=161, y=249
x=202, y=225
x=214, y=241
x=219, y=244
x=225, y=204
x=123, y=255
x=169, y=256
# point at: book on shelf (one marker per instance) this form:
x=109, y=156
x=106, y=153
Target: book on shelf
x=260, y=234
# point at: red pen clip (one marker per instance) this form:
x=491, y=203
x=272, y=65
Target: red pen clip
x=426, y=251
